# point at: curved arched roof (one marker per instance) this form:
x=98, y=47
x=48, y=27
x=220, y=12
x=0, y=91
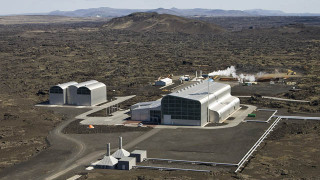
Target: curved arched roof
x=65, y=85
x=199, y=91
x=94, y=86
x=86, y=83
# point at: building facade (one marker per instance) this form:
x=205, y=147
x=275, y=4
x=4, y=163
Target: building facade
x=73, y=98
x=147, y=111
x=88, y=93
x=91, y=94
x=195, y=105
x=199, y=104
x=59, y=94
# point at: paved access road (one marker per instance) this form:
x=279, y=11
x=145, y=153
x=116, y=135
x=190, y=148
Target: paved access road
x=63, y=150
x=64, y=153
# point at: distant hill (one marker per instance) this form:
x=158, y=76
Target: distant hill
x=154, y=22
x=96, y=12
x=261, y=12
x=111, y=12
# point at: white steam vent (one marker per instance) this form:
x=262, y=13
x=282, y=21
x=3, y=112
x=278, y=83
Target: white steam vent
x=231, y=71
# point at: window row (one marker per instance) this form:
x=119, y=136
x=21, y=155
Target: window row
x=56, y=90
x=83, y=91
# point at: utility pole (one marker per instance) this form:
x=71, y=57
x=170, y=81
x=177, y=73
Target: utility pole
x=208, y=120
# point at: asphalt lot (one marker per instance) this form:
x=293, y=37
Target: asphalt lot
x=216, y=145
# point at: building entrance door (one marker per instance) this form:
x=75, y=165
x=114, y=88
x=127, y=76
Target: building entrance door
x=167, y=119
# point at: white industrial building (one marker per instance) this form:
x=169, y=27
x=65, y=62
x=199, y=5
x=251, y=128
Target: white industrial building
x=164, y=82
x=59, y=94
x=140, y=155
x=91, y=94
x=147, y=111
x=126, y=163
x=195, y=105
x=73, y=99
x=88, y=93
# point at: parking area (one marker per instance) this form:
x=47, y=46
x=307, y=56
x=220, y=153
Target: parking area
x=227, y=145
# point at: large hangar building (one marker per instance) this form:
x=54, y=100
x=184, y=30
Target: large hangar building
x=91, y=94
x=59, y=93
x=88, y=93
x=73, y=91
x=190, y=105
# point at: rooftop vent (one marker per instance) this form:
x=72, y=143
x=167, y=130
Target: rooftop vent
x=120, y=153
x=108, y=162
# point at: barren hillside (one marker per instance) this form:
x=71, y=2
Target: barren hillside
x=153, y=22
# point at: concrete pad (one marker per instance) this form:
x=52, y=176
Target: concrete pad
x=117, y=118
x=75, y=177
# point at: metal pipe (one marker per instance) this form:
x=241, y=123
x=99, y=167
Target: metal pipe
x=166, y=168
x=194, y=162
x=272, y=115
x=255, y=146
x=256, y=143
x=245, y=156
x=259, y=121
x=266, y=110
x=298, y=117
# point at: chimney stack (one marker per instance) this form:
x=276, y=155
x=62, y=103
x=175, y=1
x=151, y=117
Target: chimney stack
x=108, y=149
x=120, y=142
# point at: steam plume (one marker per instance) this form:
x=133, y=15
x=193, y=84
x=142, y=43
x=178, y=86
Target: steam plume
x=231, y=71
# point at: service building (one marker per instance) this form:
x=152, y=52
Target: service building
x=164, y=82
x=196, y=105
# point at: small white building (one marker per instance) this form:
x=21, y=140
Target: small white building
x=58, y=94
x=126, y=163
x=164, y=82
x=140, y=155
x=91, y=94
x=72, y=90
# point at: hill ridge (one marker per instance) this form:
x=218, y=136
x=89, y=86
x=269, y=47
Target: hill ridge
x=154, y=22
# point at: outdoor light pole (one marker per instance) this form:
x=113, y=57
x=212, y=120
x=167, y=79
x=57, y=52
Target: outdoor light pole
x=209, y=80
x=208, y=104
